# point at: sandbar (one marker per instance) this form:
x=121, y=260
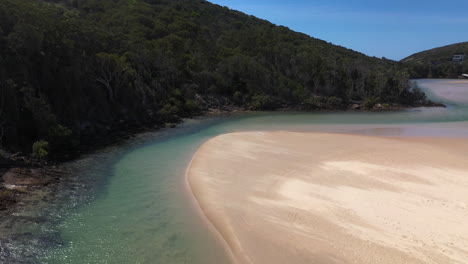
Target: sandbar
x=288, y=197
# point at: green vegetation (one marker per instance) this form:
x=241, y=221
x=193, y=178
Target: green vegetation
x=40, y=149
x=437, y=63
x=369, y=103
x=76, y=71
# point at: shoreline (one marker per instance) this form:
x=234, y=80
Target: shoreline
x=14, y=202
x=21, y=161
x=206, y=221
x=233, y=223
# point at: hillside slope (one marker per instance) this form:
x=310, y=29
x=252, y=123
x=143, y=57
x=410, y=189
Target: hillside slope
x=438, y=62
x=74, y=71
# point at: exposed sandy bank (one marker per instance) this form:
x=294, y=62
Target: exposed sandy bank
x=282, y=197
x=451, y=90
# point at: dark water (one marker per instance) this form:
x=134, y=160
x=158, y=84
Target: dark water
x=129, y=203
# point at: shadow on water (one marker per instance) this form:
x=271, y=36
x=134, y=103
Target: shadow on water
x=32, y=232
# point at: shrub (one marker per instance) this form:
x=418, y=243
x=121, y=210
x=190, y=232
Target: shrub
x=412, y=95
x=314, y=103
x=60, y=137
x=191, y=107
x=40, y=149
x=169, y=113
x=369, y=103
x=238, y=98
x=334, y=103
x=265, y=102
x=322, y=103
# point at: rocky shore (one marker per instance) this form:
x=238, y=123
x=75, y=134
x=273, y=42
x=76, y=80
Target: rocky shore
x=22, y=176
x=28, y=187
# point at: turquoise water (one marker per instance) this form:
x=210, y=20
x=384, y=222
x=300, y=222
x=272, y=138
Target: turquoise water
x=136, y=208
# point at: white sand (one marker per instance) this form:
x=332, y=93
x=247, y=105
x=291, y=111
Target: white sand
x=282, y=197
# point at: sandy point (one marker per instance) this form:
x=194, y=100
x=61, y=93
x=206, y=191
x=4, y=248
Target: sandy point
x=283, y=197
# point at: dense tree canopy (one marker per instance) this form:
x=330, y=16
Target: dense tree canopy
x=74, y=70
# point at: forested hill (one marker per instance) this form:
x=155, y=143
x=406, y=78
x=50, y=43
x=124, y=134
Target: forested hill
x=439, y=62
x=73, y=71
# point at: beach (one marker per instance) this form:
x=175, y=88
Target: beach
x=289, y=197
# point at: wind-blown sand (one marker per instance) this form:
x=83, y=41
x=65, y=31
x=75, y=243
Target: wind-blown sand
x=283, y=197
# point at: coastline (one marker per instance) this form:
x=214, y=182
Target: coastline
x=21, y=161
x=198, y=208
x=57, y=175
x=227, y=215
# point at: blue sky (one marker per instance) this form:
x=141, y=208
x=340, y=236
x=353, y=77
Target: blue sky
x=391, y=28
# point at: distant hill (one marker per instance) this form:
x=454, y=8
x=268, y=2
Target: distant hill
x=73, y=71
x=439, y=55
x=439, y=62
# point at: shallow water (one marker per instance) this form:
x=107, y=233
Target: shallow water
x=133, y=205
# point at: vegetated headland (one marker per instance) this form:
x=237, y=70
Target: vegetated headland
x=78, y=74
